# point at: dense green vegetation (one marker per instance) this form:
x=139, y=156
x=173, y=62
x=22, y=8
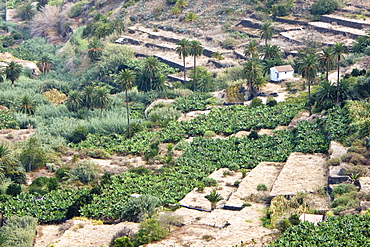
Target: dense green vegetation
x=348, y=230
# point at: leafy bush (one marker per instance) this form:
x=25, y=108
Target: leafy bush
x=342, y=189
x=19, y=231
x=7, y=120
x=85, y=171
x=229, y=43
x=150, y=230
x=271, y=101
x=209, y=182
x=137, y=208
x=334, y=162
x=323, y=7
x=233, y=167
x=43, y=185
x=76, y=9
x=162, y=116
x=261, y=187
x=14, y=189
x=256, y=102
x=209, y=134
x=78, y=134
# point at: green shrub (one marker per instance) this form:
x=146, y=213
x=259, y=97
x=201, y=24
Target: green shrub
x=229, y=43
x=182, y=145
x=137, y=208
x=141, y=170
x=234, y=167
x=76, y=9
x=342, y=189
x=209, y=134
x=256, y=102
x=122, y=242
x=14, y=189
x=283, y=225
x=43, y=185
x=271, y=101
x=253, y=135
x=261, y=187
x=150, y=230
x=84, y=171
x=61, y=173
x=162, y=116
x=32, y=155
x=334, y=162
x=209, y=182
x=19, y=231
x=78, y=134
x=323, y=7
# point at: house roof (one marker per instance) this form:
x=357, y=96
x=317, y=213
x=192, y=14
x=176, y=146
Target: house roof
x=284, y=68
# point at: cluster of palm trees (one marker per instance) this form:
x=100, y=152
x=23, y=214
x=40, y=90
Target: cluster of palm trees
x=310, y=65
x=187, y=48
x=91, y=97
x=260, y=59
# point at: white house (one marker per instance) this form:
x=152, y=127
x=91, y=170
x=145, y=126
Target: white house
x=283, y=72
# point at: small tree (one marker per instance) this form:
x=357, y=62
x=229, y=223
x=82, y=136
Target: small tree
x=183, y=50
x=13, y=71
x=45, y=64
x=102, y=99
x=95, y=50
x=214, y=198
x=125, y=79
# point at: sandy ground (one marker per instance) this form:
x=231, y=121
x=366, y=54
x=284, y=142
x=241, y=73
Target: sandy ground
x=77, y=233
x=301, y=173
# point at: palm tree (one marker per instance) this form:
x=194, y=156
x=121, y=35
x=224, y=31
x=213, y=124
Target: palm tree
x=95, y=50
x=74, y=101
x=339, y=52
x=88, y=96
x=308, y=68
x=150, y=71
x=125, y=79
x=196, y=50
x=251, y=50
x=271, y=52
x=213, y=198
x=325, y=95
x=13, y=71
x=252, y=71
x=26, y=12
x=326, y=60
x=102, y=99
x=183, y=50
x=45, y=64
x=27, y=105
x=267, y=31
x=6, y=161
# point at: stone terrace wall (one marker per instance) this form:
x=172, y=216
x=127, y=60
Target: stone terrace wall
x=345, y=22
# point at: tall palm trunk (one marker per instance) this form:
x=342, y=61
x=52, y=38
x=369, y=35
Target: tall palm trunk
x=183, y=59
x=195, y=73
x=327, y=71
x=128, y=116
x=309, y=96
x=338, y=85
